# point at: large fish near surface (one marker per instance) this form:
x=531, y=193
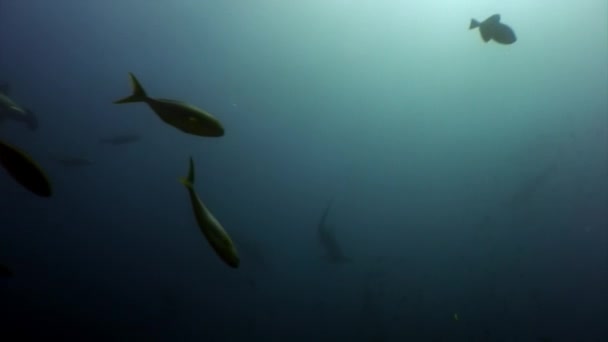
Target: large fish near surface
x=9, y=109
x=23, y=169
x=211, y=228
x=183, y=116
x=493, y=29
x=327, y=238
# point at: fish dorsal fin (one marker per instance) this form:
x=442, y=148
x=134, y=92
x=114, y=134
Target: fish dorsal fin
x=494, y=18
x=5, y=88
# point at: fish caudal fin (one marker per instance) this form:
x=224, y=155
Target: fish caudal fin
x=189, y=180
x=474, y=24
x=139, y=94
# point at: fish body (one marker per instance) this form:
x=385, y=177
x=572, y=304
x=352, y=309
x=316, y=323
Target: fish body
x=211, y=228
x=493, y=29
x=23, y=169
x=9, y=109
x=183, y=116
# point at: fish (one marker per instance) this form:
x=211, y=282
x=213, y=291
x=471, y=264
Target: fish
x=9, y=109
x=493, y=29
x=327, y=239
x=183, y=116
x=24, y=170
x=121, y=139
x=211, y=228
x=5, y=272
x=73, y=161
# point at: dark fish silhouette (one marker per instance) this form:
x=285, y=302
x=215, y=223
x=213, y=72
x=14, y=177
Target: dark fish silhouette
x=327, y=238
x=73, y=161
x=10, y=110
x=492, y=28
x=5, y=272
x=23, y=169
x=211, y=228
x=181, y=115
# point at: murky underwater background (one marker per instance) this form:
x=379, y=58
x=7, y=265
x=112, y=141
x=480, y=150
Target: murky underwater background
x=470, y=179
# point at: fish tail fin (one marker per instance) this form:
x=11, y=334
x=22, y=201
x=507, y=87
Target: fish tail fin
x=138, y=95
x=189, y=180
x=474, y=24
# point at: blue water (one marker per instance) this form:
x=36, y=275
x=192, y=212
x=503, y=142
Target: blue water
x=470, y=178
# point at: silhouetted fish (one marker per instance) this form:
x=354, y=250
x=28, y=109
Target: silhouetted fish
x=183, y=116
x=328, y=241
x=211, y=228
x=23, y=169
x=492, y=28
x=121, y=139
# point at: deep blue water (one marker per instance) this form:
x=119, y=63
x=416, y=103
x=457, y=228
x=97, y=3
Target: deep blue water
x=469, y=179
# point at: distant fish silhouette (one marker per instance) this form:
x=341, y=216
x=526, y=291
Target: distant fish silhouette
x=328, y=241
x=121, y=139
x=493, y=29
x=5, y=272
x=73, y=161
